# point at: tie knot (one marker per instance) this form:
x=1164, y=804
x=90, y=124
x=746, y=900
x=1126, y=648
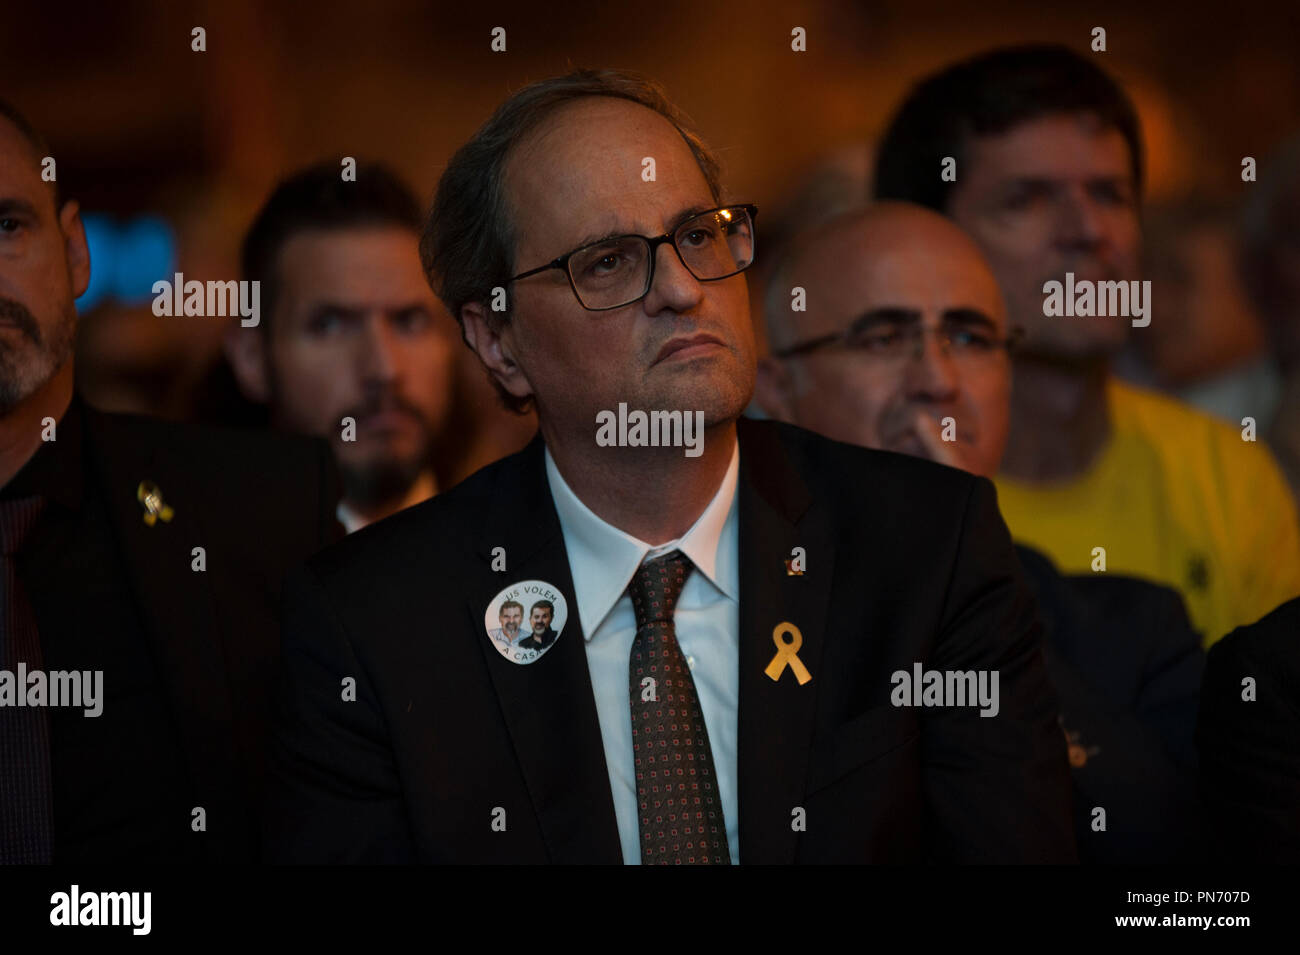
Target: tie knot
x=656, y=586
x=17, y=517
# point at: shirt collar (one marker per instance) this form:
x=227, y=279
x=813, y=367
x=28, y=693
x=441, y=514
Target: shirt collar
x=603, y=558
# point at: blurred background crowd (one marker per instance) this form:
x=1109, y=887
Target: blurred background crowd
x=173, y=150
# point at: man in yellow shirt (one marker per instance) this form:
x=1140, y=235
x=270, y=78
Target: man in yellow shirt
x=1176, y=497
x=1037, y=154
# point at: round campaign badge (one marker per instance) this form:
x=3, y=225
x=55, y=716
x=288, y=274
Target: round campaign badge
x=525, y=620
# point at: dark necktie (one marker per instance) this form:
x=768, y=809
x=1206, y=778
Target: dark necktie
x=25, y=800
x=676, y=788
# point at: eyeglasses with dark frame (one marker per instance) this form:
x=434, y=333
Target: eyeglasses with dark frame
x=620, y=270
x=875, y=337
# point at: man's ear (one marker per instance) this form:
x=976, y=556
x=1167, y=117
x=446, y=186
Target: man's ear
x=75, y=249
x=774, y=389
x=490, y=341
x=246, y=350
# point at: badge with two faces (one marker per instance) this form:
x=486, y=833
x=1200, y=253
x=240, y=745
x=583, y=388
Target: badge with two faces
x=524, y=620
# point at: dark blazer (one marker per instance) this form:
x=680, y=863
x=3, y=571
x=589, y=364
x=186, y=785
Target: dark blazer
x=1250, y=749
x=906, y=561
x=258, y=503
x=1123, y=656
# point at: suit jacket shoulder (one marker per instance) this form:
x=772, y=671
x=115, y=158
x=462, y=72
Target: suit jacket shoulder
x=835, y=467
x=907, y=506
x=245, y=468
x=421, y=544
x=1250, y=757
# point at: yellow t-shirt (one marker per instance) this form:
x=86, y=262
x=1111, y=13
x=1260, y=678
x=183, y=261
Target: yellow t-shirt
x=1176, y=497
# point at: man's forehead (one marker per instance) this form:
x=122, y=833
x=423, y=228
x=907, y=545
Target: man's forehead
x=347, y=243
x=365, y=262
x=1052, y=148
x=885, y=263
x=605, y=122
x=934, y=286
x=603, y=165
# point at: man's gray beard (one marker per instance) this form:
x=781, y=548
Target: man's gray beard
x=25, y=367
x=380, y=483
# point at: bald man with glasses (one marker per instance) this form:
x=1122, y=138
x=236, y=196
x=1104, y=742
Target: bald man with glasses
x=903, y=341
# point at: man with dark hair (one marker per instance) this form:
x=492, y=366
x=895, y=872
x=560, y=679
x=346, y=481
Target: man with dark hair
x=539, y=620
x=691, y=642
x=947, y=113
x=143, y=558
x=353, y=346
x=1036, y=153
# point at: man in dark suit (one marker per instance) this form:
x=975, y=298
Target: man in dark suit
x=1249, y=739
x=905, y=347
x=142, y=555
x=738, y=610
x=1127, y=664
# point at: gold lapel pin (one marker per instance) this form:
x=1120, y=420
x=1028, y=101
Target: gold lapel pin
x=787, y=654
x=150, y=497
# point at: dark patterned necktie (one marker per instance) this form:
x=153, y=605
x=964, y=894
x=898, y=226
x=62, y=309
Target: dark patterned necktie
x=25, y=795
x=676, y=788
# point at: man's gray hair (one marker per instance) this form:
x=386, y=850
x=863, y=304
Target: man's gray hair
x=468, y=244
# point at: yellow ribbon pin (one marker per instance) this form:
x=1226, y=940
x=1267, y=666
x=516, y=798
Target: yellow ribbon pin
x=787, y=654
x=150, y=496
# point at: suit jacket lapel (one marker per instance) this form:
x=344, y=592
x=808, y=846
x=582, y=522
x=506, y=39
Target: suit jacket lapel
x=776, y=718
x=177, y=612
x=548, y=705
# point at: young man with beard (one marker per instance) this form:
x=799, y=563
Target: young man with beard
x=352, y=345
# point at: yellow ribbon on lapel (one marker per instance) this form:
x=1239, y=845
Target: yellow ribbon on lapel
x=787, y=654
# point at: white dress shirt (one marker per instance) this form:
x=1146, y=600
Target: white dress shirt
x=603, y=559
